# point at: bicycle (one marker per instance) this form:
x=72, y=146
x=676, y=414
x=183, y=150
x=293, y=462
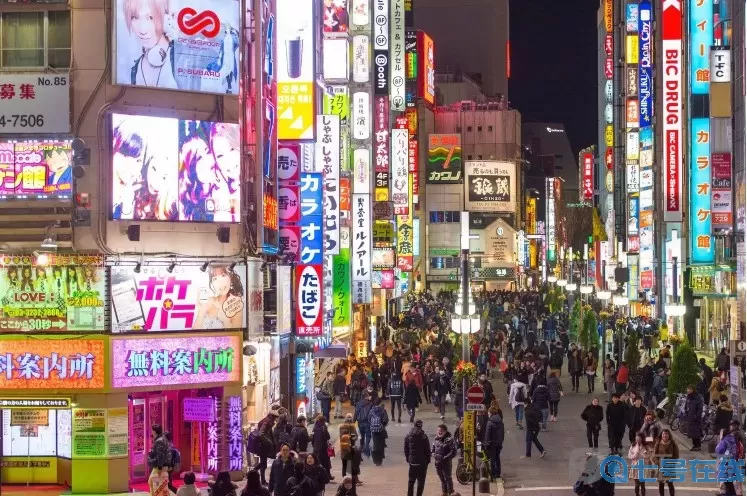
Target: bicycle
x=465, y=472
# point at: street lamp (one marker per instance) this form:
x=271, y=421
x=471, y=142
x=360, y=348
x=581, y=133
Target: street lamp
x=562, y=283
x=604, y=295
x=675, y=309
x=586, y=289
x=571, y=286
x=620, y=300
x=552, y=279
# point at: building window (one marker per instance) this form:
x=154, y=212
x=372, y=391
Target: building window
x=469, y=157
x=469, y=129
x=490, y=129
x=444, y=216
x=479, y=129
x=35, y=40
x=459, y=129
x=479, y=157
x=445, y=263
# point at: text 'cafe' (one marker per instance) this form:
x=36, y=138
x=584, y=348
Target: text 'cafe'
x=76, y=405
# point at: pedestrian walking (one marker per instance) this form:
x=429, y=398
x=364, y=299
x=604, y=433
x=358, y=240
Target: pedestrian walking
x=493, y=440
x=665, y=448
x=444, y=450
x=281, y=470
x=317, y=473
x=377, y=421
x=516, y=396
x=339, y=387
x=621, y=379
x=724, y=414
x=441, y=392
x=412, y=399
x=253, y=486
x=320, y=444
x=325, y=394
x=730, y=447
x=609, y=378
x=555, y=389
x=615, y=423
x=348, y=439
x=541, y=400
x=346, y=488
x=634, y=418
x=395, y=390
x=593, y=414
x=590, y=370
x=265, y=442
x=418, y=456
x=222, y=485
x=575, y=367
x=533, y=417
x=300, y=438
x=362, y=409
x=299, y=484
x=651, y=428
x=639, y=453
x=694, y=417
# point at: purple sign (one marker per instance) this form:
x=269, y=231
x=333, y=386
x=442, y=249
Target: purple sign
x=36, y=169
x=198, y=410
x=159, y=361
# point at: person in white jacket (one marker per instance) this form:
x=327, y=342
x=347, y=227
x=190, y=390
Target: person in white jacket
x=638, y=451
x=516, y=395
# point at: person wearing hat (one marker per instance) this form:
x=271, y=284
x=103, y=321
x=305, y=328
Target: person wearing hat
x=418, y=456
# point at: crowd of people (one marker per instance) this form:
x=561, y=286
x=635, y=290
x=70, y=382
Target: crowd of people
x=418, y=367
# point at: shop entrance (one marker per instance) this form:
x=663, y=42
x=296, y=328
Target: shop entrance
x=167, y=410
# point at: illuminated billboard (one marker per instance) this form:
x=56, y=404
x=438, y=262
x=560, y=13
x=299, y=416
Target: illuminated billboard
x=701, y=241
x=36, y=169
x=490, y=186
x=175, y=170
x=701, y=39
x=190, y=45
x=672, y=116
x=427, y=70
x=444, y=164
x=397, y=51
x=295, y=70
x=645, y=64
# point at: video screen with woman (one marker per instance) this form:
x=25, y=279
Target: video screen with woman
x=175, y=170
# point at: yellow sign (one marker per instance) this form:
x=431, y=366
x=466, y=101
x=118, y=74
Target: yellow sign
x=608, y=16
x=361, y=349
x=531, y=215
x=609, y=135
x=29, y=417
x=631, y=49
x=296, y=111
x=381, y=194
x=468, y=434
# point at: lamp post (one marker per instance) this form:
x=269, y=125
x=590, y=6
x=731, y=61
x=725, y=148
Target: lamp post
x=675, y=309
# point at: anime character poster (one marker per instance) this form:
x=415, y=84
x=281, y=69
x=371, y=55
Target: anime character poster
x=36, y=169
x=190, y=45
x=334, y=16
x=175, y=170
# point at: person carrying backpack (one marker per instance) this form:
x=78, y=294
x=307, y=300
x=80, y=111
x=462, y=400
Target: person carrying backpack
x=516, y=395
x=176, y=461
x=362, y=409
x=377, y=421
x=395, y=390
x=348, y=437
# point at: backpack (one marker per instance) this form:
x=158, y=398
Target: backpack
x=345, y=446
x=253, y=443
x=374, y=419
x=519, y=396
x=176, y=460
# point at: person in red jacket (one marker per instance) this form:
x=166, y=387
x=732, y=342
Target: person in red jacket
x=621, y=381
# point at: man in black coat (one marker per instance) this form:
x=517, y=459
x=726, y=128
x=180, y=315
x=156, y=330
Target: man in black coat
x=615, y=415
x=647, y=381
x=634, y=418
x=694, y=416
x=418, y=456
x=493, y=441
x=707, y=371
x=533, y=417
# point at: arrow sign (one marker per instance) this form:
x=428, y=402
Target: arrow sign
x=475, y=395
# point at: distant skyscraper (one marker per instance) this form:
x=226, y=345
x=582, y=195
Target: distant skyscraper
x=470, y=37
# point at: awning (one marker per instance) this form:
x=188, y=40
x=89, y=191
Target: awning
x=332, y=351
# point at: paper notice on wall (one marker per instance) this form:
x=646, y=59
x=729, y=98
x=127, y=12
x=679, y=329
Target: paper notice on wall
x=89, y=433
x=117, y=431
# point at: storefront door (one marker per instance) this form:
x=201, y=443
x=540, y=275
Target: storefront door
x=146, y=410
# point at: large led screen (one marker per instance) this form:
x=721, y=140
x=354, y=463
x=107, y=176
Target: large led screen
x=36, y=169
x=167, y=169
x=190, y=45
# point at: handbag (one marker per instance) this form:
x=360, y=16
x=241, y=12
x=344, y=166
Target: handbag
x=330, y=451
x=448, y=398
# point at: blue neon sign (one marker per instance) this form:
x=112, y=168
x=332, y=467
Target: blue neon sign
x=701, y=241
x=701, y=39
x=645, y=64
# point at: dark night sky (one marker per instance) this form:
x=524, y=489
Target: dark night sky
x=554, y=65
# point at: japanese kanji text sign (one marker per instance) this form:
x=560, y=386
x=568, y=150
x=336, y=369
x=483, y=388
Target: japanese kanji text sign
x=167, y=361
x=312, y=208
x=328, y=158
x=34, y=103
x=52, y=363
x=309, y=300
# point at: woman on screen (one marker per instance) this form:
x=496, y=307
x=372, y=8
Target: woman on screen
x=225, y=147
x=150, y=22
x=197, y=177
x=224, y=309
x=156, y=198
x=128, y=148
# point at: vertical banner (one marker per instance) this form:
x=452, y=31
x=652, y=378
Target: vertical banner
x=587, y=171
x=336, y=101
x=381, y=47
x=360, y=247
x=341, y=290
x=405, y=239
x=721, y=190
x=311, y=218
x=701, y=240
x=671, y=160
x=645, y=64
x=328, y=158
x=400, y=193
x=701, y=39
x=309, y=301
x=296, y=72
x=381, y=148
x=397, y=50
x=361, y=171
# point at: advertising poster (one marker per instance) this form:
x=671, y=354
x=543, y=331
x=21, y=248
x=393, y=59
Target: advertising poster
x=66, y=294
x=295, y=69
x=334, y=15
x=309, y=314
x=411, y=53
x=52, y=364
x=444, y=165
x=190, y=45
x=89, y=433
x=21, y=417
x=117, y=429
x=490, y=186
x=701, y=240
x=36, y=169
x=721, y=190
x=156, y=361
x=185, y=299
x=175, y=170
x=311, y=240
x=631, y=17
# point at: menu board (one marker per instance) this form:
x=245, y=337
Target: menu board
x=117, y=431
x=89, y=433
x=16, y=443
